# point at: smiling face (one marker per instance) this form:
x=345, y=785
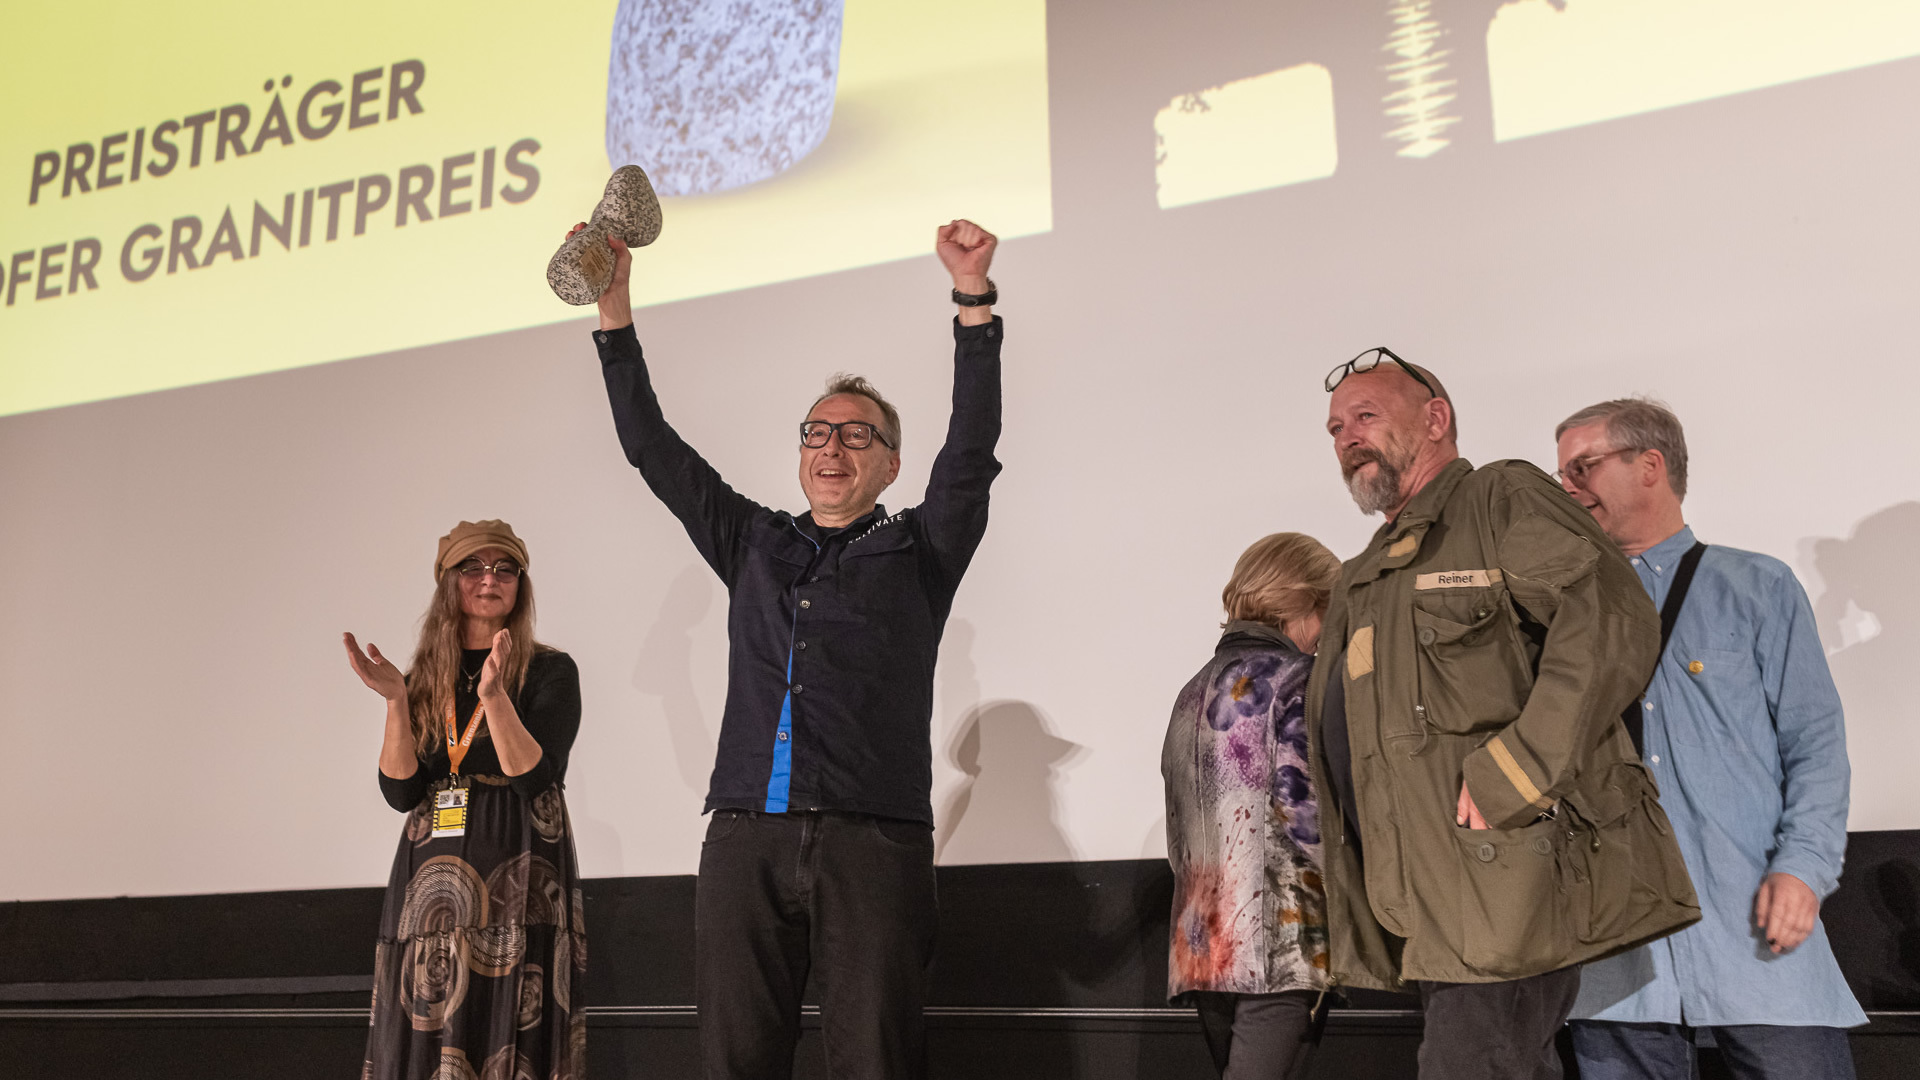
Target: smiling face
x=841, y=484
x=1380, y=421
x=488, y=598
x=1626, y=491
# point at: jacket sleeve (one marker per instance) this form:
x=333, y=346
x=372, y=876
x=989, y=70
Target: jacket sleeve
x=1810, y=841
x=953, y=516
x=715, y=516
x=1600, y=645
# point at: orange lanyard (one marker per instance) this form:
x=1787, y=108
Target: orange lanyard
x=457, y=748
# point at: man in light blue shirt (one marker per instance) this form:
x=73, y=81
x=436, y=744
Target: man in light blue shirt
x=1742, y=729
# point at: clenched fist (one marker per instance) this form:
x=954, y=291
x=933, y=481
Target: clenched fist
x=966, y=250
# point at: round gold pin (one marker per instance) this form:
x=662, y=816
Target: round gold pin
x=1696, y=667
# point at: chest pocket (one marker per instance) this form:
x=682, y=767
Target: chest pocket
x=1473, y=669
x=880, y=576
x=1729, y=682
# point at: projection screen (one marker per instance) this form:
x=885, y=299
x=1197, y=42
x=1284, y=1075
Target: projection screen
x=273, y=317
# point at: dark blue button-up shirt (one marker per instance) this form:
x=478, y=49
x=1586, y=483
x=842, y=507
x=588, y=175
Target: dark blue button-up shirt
x=832, y=634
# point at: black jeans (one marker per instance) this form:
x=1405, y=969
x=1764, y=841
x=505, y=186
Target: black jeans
x=1496, y=1031
x=846, y=897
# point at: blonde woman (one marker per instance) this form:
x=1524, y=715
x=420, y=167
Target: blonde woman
x=482, y=949
x=1249, y=930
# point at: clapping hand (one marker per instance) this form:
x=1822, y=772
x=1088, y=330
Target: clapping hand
x=496, y=661
x=380, y=675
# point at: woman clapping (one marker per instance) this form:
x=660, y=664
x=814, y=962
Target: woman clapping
x=482, y=949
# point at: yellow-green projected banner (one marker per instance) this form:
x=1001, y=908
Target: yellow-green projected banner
x=1559, y=65
x=208, y=190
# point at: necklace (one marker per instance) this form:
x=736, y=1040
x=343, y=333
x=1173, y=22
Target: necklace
x=471, y=676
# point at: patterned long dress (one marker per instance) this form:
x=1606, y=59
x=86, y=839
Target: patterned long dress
x=1243, y=832
x=483, y=951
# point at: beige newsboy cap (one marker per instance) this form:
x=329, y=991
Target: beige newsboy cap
x=471, y=536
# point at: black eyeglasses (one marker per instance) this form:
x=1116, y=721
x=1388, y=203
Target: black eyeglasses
x=1371, y=359
x=1578, y=469
x=505, y=570
x=854, y=434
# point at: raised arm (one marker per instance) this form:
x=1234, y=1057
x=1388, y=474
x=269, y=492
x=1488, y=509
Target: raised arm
x=954, y=513
x=714, y=515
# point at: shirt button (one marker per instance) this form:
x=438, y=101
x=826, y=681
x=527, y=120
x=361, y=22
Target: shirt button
x=814, y=578
x=797, y=688
x=806, y=603
x=800, y=645
x=1649, y=706
x=1655, y=759
x=783, y=736
x=1486, y=853
x=1426, y=635
x=601, y=338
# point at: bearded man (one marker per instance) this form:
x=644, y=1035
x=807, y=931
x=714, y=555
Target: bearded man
x=1487, y=824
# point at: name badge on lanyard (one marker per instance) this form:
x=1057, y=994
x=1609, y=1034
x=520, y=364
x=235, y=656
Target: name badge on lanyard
x=450, y=812
x=450, y=806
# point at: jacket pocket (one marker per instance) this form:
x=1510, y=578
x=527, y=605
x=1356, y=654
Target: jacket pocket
x=1601, y=854
x=1474, y=674
x=1512, y=911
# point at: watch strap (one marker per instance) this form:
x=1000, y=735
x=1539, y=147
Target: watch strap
x=977, y=299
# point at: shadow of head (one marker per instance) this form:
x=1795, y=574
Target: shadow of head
x=1008, y=737
x=1874, y=567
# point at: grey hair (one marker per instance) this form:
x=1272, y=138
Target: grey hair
x=1639, y=423
x=843, y=383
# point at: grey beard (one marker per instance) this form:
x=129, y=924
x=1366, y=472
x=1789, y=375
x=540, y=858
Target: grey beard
x=1378, y=493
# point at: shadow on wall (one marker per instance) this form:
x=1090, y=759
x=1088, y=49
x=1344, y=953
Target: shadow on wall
x=1869, y=617
x=664, y=669
x=1005, y=810
x=1870, y=613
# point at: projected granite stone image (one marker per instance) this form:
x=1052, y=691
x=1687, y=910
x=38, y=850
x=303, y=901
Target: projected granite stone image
x=711, y=96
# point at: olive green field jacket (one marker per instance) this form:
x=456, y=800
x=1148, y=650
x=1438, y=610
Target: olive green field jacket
x=1492, y=633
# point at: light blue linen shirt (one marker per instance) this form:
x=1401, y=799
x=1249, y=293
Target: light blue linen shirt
x=1744, y=734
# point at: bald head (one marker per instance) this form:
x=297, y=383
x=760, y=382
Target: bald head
x=1391, y=435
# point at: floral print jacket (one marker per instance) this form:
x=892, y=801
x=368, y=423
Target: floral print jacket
x=1243, y=833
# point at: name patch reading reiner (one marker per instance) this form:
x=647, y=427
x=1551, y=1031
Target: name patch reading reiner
x=1458, y=579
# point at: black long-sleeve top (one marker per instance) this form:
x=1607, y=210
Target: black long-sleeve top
x=833, y=634
x=549, y=708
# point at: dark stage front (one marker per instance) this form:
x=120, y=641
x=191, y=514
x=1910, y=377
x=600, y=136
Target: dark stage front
x=1044, y=970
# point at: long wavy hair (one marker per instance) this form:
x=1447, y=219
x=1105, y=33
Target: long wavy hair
x=436, y=659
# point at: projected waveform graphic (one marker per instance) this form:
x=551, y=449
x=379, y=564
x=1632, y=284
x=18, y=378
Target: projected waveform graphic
x=1420, y=75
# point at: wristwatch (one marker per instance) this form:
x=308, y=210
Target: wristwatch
x=977, y=299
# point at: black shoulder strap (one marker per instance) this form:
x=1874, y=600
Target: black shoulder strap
x=1669, y=614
